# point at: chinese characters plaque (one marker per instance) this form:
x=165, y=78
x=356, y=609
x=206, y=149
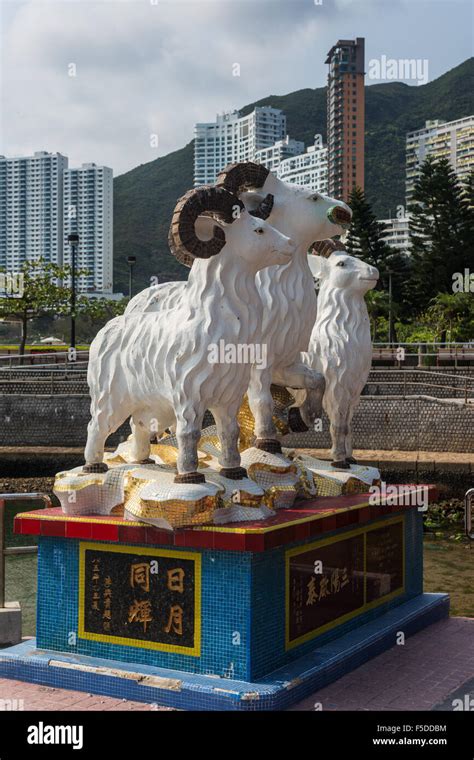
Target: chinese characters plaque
x=384, y=563
x=144, y=598
x=331, y=581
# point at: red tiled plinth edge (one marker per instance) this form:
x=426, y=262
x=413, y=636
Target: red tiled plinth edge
x=307, y=519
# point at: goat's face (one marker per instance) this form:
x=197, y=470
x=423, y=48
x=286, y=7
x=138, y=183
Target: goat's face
x=344, y=272
x=304, y=215
x=257, y=242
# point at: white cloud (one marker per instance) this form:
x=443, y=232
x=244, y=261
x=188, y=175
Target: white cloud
x=145, y=68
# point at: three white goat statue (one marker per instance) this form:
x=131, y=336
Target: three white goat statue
x=340, y=346
x=251, y=284
x=286, y=293
x=156, y=364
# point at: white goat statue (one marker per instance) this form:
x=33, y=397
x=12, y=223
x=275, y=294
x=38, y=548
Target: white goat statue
x=340, y=346
x=286, y=293
x=156, y=365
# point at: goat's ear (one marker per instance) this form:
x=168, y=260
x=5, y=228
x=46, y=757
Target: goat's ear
x=252, y=199
x=318, y=265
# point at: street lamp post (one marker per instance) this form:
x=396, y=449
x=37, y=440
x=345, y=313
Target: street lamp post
x=130, y=261
x=390, y=330
x=73, y=240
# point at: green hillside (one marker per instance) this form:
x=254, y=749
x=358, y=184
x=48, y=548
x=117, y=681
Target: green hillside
x=144, y=197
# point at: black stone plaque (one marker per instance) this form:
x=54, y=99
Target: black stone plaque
x=328, y=582
x=139, y=597
x=384, y=561
x=318, y=598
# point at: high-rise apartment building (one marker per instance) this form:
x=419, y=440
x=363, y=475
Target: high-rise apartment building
x=309, y=169
x=397, y=233
x=31, y=198
x=88, y=211
x=345, y=117
x=42, y=201
x=272, y=156
x=453, y=140
x=232, y=138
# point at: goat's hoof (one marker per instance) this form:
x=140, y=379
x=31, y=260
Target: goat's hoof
x=271, y=445
x=95, y=467
x=295, y=421
x=351, y=460
x=342, y=465
x=189, y=477
x=233, y=473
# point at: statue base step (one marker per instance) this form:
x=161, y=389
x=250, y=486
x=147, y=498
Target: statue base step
x=187, y=691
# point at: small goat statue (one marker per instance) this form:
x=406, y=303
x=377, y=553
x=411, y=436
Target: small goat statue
x=340, y=346
x=286, y=293
x=156, y=364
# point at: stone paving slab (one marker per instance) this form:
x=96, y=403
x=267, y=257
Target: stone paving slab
x=428, y=672
x=30, y=696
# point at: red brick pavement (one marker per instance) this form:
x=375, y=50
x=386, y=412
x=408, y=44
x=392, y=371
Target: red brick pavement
x=419, y=675
x=416, y=676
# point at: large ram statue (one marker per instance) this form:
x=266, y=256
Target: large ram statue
x=286, y=293
x=156, y=364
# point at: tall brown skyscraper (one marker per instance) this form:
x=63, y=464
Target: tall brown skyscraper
x=346, y=117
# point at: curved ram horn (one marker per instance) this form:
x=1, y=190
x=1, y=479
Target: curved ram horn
x=182, y=238
x=264, y=208
x=326, y=247
x=239, y=177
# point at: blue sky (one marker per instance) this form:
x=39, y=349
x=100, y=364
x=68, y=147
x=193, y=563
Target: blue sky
x=98, y=80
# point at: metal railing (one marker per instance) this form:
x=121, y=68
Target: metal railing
x=405, y=382
x=468, y=509
x=4, y=551
x=43, y=358
x=463, y=384
x=451, y=352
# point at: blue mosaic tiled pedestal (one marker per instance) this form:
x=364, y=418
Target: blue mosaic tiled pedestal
x=250, y=616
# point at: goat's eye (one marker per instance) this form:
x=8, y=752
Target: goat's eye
x=341, y=264
x=259, y=231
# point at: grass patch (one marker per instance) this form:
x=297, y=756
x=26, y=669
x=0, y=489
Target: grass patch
x=449, y=568
x=20, y=586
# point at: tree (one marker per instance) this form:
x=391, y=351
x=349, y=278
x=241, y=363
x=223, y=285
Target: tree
x=40, y=293
x=378, y=306
x=452, y=316
x=366, y=241
x=441, y=229
x=94, y=313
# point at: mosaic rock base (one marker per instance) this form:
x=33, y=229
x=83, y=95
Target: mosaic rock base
x=148, y=493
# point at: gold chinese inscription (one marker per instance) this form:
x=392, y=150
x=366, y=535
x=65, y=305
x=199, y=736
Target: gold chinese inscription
x=324, y=583
x=140, y=597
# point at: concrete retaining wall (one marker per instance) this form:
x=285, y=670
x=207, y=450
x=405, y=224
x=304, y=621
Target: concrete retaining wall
x=423, y=424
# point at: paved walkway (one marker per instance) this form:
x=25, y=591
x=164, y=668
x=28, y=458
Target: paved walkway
x=427, y=673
